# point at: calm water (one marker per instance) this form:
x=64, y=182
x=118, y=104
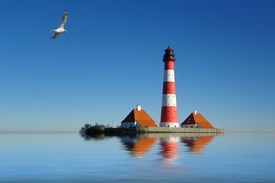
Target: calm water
x=68, y=157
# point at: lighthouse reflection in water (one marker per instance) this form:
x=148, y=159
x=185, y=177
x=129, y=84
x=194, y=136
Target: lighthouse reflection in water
x=167, y=144
x=168, y=148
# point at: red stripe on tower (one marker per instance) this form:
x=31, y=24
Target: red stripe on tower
x=169, y=116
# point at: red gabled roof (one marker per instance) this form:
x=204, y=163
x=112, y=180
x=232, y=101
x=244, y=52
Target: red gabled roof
x=141, y=117
x=197, y=118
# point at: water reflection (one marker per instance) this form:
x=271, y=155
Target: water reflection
x=195, y=144
x=139, y=144
x=162, y=158
x=94, y=137
x=168, y=147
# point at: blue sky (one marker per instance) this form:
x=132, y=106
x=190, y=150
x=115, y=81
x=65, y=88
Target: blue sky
x=111, y=60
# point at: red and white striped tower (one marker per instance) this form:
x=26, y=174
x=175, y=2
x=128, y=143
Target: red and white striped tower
x=169, y=116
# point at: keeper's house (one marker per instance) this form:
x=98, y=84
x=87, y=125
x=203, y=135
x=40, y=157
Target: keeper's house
x=195, y=120
x=138, y=118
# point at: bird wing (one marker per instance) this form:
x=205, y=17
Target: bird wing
x=55, y=35
x=63, y=20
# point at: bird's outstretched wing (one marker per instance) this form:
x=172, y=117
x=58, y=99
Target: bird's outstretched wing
x=55, y=35
x=63, y=19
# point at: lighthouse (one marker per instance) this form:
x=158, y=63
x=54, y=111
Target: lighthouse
x=169, y=116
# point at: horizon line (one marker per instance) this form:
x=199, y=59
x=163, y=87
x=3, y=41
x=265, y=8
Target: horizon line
x=36, y=131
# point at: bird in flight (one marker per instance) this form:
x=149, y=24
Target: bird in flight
x=60, y=29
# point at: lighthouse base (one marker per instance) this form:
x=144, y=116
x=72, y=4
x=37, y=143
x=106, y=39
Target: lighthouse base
x=169, y=124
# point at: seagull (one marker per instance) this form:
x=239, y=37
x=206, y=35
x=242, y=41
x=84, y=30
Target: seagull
x=60, y=29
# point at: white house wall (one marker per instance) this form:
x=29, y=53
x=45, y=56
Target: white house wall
x=129, y=124
x=190, y=126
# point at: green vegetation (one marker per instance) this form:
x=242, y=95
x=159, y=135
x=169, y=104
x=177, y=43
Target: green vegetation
x=89, y=130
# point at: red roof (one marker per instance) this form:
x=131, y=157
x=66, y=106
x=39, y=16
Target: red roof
x=197, y=118
x=141, y=117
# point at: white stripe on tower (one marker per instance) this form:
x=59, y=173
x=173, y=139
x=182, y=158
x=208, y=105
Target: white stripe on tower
x=169, y=117
x=169, y=76
x=169, y=100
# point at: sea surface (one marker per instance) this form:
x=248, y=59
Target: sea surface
x=70, y=157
